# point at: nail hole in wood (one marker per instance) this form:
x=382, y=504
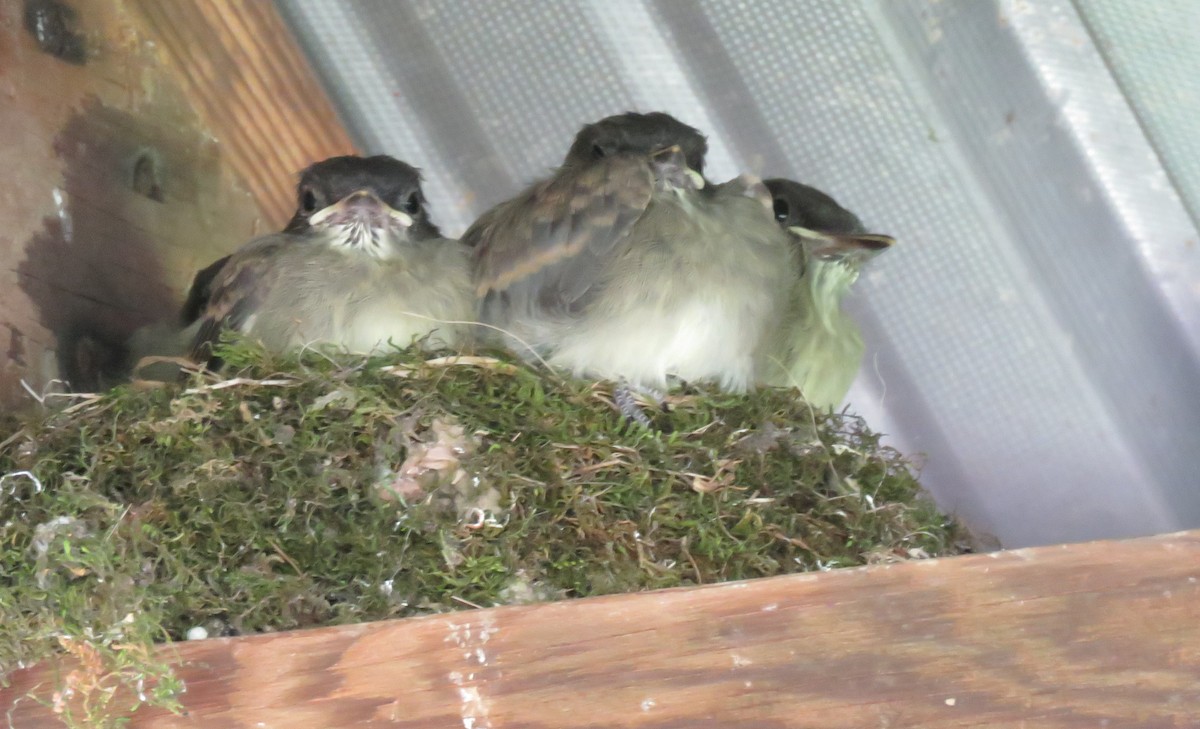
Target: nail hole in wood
x=146, y=177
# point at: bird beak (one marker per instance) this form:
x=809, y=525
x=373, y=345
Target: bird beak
x=673, y=156
x=361, y=206
x=833, y=246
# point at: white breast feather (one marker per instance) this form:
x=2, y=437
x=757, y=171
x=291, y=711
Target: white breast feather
x=699, y=341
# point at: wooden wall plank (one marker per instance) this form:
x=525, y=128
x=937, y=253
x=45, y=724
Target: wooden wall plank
x=247, y=78
x=1088, y=635
x=215, y=95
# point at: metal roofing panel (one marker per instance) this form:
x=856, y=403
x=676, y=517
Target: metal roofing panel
x=1036, y=331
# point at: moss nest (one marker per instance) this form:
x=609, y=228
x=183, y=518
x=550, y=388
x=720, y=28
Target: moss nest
x=319, y=490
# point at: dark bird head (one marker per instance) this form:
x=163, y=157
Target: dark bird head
x=365, y=202
x=827, y=230
x=638, y=134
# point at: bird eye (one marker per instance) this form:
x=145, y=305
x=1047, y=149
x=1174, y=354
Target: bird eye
x=308, y=201
x=782, y=209
x=412, y=205
x=598, y=151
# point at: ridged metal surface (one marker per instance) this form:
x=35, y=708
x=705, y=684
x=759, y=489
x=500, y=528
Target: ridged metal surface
x=1036, y=331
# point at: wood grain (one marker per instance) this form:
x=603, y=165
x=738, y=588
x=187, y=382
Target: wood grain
x=213, y=98
x=243, y=73
x=1104, y=634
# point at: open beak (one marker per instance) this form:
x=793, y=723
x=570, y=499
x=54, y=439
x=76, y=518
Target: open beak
x=361, y=206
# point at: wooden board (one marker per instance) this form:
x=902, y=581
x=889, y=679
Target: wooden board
x=142, y=140
x=1105, y=634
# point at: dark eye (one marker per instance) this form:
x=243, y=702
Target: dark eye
x=308, y=201
x=412, y=205
x=782, y=209
x=599, y=152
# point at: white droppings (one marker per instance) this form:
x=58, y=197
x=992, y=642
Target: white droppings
x=951, y=701
x=747, y=684
x=474, y=709
x=648, y=704
x=60, y=207
x=740, y=661
x=197, y=632
x=770, y=608
x=471, y=637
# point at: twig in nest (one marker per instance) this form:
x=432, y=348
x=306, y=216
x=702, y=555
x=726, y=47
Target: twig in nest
x=223, y=384
x=284, y=556
x=490, y=363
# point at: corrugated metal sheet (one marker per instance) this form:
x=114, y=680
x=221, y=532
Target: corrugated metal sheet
x=1036, y=332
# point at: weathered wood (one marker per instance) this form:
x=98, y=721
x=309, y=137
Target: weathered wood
x=142, y=140
x=242, y=71
x=1087, y=635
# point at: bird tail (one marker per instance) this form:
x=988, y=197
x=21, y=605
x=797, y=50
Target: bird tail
x=158, y=352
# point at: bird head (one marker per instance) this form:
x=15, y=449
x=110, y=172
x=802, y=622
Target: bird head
x=364, y=204
x=825, y=230
x=656, y=135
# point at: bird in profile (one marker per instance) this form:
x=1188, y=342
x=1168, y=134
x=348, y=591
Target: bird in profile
x=625, y=264
x=360, y=266
x=820, y=349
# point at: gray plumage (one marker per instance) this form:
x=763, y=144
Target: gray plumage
x=625, y=264
x=821, y=348
x=360, y=267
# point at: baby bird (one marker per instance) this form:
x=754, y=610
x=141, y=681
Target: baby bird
x=821, y=348
x=625, y=264
x=361, y=266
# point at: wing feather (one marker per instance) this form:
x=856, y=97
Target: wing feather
x=236, y=292
x=200, y=293
x=546, y=249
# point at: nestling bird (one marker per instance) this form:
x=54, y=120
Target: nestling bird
x=821, y=347
x=359, y=266
x=625, y=264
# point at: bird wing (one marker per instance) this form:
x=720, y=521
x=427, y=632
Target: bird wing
x=236, y=291
x=201, y=291
x=547, y=248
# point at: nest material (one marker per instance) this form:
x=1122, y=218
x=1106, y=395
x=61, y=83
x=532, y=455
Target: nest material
x=323, y=490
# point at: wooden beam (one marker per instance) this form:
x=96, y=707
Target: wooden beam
x=243, y=73
x=1086, y=635
x=142, y=140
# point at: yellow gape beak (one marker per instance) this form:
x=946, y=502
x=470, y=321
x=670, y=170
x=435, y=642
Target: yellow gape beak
x=360, y=205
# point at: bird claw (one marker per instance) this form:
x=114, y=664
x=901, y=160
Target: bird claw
x=625, y=398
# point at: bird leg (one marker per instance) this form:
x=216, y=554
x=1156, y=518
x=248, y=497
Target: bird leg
x=625, y=398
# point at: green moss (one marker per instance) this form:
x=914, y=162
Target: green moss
x=331, y=490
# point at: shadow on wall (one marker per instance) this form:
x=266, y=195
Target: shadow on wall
x=92, y=272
